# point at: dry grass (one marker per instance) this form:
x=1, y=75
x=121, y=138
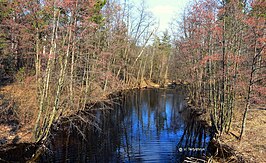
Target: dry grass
x=23, y=97
x=24, y=103
x=253, y=144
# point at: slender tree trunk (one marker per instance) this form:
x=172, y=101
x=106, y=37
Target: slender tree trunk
x=46, y=81
x=252, y=73
x=151, y=67
x=223, y=84
x=59, y=85
x=72, y=69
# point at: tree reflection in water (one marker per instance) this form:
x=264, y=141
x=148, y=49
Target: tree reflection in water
x=147, y=126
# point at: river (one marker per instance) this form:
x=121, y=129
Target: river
x=150, y=125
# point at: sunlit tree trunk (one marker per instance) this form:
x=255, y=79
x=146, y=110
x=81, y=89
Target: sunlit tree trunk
x=254, y=69
x=44, y=92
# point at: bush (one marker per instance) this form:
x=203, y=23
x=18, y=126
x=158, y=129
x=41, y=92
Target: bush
x=21, y=74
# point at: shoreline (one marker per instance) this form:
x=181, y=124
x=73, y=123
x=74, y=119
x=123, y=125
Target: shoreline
x=226, y=148
x=10, y=147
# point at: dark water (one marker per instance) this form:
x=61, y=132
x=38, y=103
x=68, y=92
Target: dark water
x=148, y=126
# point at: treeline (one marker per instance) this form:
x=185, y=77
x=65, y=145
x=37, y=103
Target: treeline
x=74, y=50
x=220, y=48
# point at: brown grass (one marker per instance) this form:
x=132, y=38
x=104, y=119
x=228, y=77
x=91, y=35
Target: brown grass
x=25, y=106
x=253, y=144
x=23, y=96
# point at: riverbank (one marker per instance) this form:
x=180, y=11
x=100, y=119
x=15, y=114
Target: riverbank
x=151, y=109
x=18, y=131
x=228, y=147
x=19, y=108
x=21, y=138
x=252, y=147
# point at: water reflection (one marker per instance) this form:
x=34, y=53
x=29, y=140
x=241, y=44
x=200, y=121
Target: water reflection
x=148, y=126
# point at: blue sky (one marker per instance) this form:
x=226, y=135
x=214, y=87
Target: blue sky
x=164, y=10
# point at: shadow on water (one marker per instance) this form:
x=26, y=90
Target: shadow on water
x=148, y=126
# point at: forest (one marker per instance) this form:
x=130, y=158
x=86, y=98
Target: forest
x=56, y=57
